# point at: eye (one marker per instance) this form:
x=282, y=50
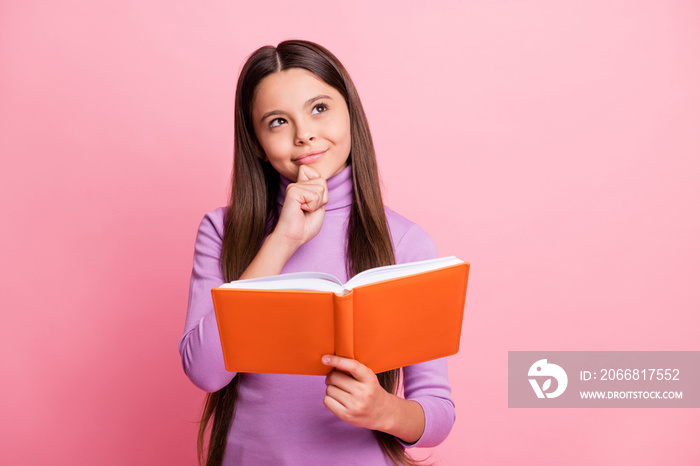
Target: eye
x=319, y=108
x=274, y=123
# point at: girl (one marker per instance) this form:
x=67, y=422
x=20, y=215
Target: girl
x=305, y=197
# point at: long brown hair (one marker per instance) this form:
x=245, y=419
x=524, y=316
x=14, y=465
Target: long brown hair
x=253, y=212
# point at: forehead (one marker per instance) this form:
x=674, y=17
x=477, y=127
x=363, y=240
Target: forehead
x=289, y=89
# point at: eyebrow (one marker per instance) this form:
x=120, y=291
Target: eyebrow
x=306, y=104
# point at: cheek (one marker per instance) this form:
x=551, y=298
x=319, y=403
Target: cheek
x=270, y=146
x=341, y=132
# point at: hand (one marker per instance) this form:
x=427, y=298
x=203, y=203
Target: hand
x=354, y=394
x=303, y=210
x=300, y=220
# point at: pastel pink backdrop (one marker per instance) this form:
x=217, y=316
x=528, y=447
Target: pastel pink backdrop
x=553, y=144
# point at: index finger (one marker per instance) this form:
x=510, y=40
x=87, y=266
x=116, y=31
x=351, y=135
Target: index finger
x=307, y=173
x=352, y=366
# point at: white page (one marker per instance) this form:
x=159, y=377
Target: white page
x=400, y=270
x=319, y=281
x=313, y=281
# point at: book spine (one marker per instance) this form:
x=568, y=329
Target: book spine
x=344, y=344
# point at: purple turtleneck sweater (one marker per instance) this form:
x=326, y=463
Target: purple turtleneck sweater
x=281, y=419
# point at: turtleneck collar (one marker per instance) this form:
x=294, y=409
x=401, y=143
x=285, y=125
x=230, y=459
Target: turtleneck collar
x=339, y=189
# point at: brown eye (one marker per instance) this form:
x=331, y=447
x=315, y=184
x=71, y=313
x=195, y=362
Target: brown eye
x=319, y=108
x=277, y=122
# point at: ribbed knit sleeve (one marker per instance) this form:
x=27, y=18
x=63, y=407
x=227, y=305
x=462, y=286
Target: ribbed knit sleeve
x=200, y=346
x=426, y=383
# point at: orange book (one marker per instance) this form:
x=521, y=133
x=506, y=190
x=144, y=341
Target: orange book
x=386, y=318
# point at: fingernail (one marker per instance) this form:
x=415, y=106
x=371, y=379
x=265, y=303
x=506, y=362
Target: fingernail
x=326, y=359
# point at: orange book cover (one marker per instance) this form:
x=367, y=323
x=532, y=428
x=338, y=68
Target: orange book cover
x=384, y=324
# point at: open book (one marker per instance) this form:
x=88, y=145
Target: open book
x=386, y=318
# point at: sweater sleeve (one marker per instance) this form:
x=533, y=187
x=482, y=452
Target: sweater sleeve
x=427, y=383
x=200, y=346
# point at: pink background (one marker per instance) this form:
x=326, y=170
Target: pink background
x=552, y=144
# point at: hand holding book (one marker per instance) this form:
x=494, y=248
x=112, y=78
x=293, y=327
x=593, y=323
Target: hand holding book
x=355, y=395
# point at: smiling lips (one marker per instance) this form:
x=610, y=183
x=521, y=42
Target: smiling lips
x=309, y=157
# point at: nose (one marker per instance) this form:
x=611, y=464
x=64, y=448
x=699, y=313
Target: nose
x=304, y=133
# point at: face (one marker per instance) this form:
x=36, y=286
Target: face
x=301, y=120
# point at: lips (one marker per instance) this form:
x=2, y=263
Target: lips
x=309, y=157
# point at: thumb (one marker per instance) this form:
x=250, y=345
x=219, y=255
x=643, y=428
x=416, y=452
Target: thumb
x=307, y=173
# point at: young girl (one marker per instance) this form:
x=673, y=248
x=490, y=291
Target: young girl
x=305, y=197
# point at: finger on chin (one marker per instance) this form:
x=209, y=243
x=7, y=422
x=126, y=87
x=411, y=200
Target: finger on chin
x=307, y=173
